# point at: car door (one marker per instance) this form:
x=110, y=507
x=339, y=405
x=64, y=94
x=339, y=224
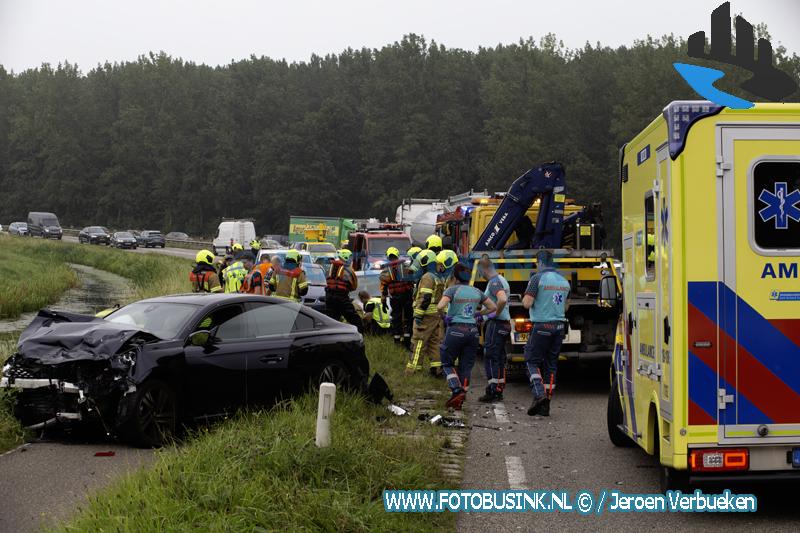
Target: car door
x=268, y=364
x=216, y=380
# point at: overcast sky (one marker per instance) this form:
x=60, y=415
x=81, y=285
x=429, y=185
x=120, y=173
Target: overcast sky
x=88, y=32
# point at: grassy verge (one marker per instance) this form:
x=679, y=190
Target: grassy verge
x=262, y=471
x=34, y=274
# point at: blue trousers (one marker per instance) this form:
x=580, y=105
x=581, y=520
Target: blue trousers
x=541, y=357
x=495, y=336
x=460, y=343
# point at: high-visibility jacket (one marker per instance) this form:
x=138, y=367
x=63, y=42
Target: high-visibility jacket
x=204, y=279
x=429, y=292
x=288, y=283
x=379, y=316
x=341, y=280
x=396, y=279
x=234, y=276
x=256, y=281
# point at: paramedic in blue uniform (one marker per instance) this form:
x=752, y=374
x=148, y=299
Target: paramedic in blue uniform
x=546, y=300
x=495, y=332
x=461, y=302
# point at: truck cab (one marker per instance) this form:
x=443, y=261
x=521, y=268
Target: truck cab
x=370, y=242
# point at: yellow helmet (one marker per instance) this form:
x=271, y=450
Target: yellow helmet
x=255, y=244
x=293, y=255
x=434, y=241
x=426, y=257
x=413, y=251
x=344, y=254
x=204, y=256
x=237, y=247
x=392, y=251
x=447, y=258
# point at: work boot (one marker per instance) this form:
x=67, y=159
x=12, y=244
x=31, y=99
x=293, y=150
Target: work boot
x=535, y=407
x=498, y=396
x=489, y=397
x=457, y=399
x=544, y=409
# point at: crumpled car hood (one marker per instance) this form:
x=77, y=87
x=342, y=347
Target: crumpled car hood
x=56, y=337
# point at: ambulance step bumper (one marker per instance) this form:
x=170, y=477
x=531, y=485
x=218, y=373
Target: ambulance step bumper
x=746, y=477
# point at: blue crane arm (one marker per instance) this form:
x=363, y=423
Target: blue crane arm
x=546, y=182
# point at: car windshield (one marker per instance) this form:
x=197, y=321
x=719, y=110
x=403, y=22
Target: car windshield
x=124, y=235
x=94, y=229
x=321, y=247
x=50, y=221
x=163, y=319
x=152, y=233
x=379, y=245
x=315, y=274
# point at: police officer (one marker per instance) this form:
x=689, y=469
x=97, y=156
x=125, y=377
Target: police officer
x=546, y=299
x=427, y=331
x=496, y=331
x=288, y=280
x=462, y=304
x=204, y=277
x=340, y=282
x=398, y=287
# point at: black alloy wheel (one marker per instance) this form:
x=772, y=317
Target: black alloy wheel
x=155, y=414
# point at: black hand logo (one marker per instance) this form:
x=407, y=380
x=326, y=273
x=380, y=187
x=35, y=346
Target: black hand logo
x=767, y=81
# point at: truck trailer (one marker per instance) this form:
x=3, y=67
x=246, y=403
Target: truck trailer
x=706, y=370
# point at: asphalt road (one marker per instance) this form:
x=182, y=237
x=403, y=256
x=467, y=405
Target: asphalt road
x=178, y=252
x=570, y=451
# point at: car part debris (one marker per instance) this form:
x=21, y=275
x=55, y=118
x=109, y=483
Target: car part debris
x=397, y=410
x=109, y=453
x=379, y=389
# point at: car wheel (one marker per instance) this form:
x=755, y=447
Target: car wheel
x=154, y=415
x=334, y=371
x=614, y=418
x=163, y=245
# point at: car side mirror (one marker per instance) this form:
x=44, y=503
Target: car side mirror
x=202, y=337
x=609, y=297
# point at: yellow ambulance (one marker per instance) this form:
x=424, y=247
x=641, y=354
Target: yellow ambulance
x=706, y=372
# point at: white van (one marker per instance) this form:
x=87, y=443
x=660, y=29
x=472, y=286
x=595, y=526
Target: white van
x=233, y=231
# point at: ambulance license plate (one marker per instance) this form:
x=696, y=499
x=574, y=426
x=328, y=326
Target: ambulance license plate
x=520, y=338
x=795, y=457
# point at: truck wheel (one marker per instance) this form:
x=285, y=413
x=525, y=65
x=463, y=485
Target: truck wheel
x=614, y=418
x=671, y=479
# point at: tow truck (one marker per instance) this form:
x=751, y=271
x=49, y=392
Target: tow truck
x=511, y=227
x=370, y=241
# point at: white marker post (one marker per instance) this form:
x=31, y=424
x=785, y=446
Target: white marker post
x=327, y=400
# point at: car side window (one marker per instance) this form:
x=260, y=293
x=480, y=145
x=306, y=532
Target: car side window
x=275, y=319
x=228, y=320
x=303, y=322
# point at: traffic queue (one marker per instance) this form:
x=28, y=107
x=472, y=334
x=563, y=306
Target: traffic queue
x=427, y=302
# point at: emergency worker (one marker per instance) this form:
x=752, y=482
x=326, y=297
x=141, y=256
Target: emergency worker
x=397, y=286
x=339, y=283
x=427, y=332
x=464, y=307
x=546, y=300
x=288, y=281
x=374, y=316
x=235, y=274
x=496, y=331
x=204, y=277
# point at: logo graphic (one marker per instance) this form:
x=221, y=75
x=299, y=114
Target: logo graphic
x=558, y=298
x=780, y=205
x=468, y=310
x=767, y=81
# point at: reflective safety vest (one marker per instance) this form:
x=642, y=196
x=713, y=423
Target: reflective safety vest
x=204, y=279
x=234, y=276
x=378, y=315
x=254, y=283
x=288, y=283
x=340, y=279
x=397, y=279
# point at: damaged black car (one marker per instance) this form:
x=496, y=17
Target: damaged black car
x=150, y=366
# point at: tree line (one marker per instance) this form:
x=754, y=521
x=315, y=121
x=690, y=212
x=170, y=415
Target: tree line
x=168, y=144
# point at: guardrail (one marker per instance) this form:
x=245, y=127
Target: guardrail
x=172, y=243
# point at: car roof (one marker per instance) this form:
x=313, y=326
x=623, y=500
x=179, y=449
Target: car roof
x=208, y=298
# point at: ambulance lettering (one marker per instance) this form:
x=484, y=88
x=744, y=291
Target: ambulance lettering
x=784, y=271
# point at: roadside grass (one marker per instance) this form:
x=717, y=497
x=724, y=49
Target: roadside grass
x=261, y=471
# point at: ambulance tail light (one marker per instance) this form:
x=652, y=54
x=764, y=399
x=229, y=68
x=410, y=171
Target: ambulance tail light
x=719, y=459
x=522, y=325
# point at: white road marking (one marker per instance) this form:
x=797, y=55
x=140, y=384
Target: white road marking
x=516, y=473
x=500, y=413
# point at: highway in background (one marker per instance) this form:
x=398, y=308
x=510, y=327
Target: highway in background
x=187, y=253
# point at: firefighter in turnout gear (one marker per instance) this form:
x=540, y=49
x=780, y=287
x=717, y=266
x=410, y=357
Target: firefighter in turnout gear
x=254, y=282
x=289, y=281
x=546, y=298
x=340, y=282
x=234, y=275
x=427, y=331
x=464, y=307
x=203, y=276
x=398, y=287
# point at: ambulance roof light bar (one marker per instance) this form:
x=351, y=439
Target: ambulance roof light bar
x=681, y=116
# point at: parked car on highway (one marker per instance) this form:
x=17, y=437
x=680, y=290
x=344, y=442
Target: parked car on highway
x=150, y=238
x=18, y=228
x=41, y=224
x=177, y=236
x=123, y=239
x=266, y=255
x=94, y=235
x=152, y=364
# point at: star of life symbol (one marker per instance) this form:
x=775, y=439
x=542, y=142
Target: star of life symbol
x=780, y=205
x=558, y=298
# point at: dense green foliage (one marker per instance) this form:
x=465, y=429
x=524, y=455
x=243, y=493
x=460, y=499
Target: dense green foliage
x=262, y=471
x=170, y=144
